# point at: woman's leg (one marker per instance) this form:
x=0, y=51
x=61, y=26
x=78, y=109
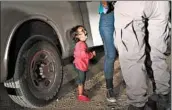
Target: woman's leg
x=106, y=28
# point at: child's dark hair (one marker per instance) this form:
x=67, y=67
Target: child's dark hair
x=73, y=32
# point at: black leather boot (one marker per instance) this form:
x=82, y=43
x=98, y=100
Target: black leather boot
x=164, y=102
x=159, y=102
x=131, y=107
x=151, y=105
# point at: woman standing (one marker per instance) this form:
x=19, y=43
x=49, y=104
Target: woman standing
x=106, y=29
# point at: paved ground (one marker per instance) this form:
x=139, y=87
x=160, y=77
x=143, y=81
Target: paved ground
x=95, y=86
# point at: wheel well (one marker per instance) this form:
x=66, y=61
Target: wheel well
x=22, y=33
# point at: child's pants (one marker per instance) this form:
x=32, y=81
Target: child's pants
x=129, y=40
x=81, y=76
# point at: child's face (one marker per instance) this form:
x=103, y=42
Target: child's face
x=81, y=34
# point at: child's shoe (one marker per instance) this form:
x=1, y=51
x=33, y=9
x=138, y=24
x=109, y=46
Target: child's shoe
x=83, y=98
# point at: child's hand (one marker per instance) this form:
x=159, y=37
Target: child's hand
x=94, y=53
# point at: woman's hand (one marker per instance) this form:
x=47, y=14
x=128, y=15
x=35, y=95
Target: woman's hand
x=104, y=3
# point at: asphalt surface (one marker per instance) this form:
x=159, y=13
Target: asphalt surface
x=95, y=86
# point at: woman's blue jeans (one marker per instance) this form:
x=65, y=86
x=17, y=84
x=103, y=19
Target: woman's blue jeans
x=106, y=29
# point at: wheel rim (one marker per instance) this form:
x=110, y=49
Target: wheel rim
x=42, y=70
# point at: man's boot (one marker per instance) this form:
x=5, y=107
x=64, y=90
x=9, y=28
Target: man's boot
x=164, y=102
x=159, y=102
x=151, y=105
x=131, y=107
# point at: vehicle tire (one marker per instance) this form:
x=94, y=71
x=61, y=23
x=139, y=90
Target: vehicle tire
x=38, y=76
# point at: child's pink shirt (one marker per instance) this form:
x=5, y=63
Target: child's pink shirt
x=81, y=56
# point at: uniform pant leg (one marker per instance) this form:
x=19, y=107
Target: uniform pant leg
x=158, y=14
x=129, y=40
